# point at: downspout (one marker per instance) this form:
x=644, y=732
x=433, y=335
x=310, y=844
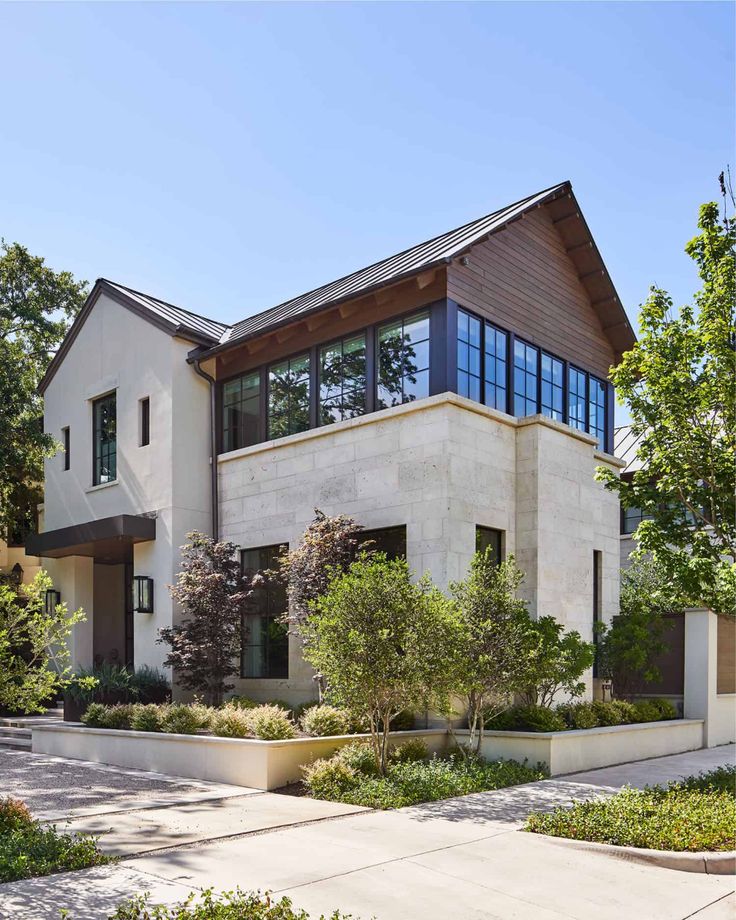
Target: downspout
x=213, y=448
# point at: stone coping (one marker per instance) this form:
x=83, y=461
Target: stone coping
x=584, y=732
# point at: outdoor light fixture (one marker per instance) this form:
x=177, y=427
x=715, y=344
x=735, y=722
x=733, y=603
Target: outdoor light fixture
x=16, y=575
x=143, y=594
x=53, y=599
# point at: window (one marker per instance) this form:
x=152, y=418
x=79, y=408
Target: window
x=597, y=410
x=468, y=355
x=552, y=387
x=597, y=595
x=495, y=370
x=145, y=421
x=403, y=361
x=342, y=375
x=66, y=444
x=288, y=397
x=525, y=378
x=265, y=637
x=487, y=537
x=241, y=411
x=631, y=518
x=104, y=439
x=388, y=540
x=576, y=399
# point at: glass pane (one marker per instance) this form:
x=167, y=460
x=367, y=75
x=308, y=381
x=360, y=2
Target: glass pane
x=388, y=396
x=462, y=356
x=300, y=367
x=416, y=357
x=475, y=361
x=231, y=391
x=416, y=328
x=531, y=360
x=463, y=384
x=353, y=403
x=475, y=388
x=474, y=330
x=417, y=388
x=330, y=411
x=462, y=325
x=519, y=353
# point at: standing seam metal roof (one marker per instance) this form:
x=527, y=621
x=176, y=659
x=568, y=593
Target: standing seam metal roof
x=209, y=328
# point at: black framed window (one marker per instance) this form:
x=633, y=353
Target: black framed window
x=241, y=411
x=342, y=379
x=576, y=399
x=104, y=415
x=553, y=391
x=388, y=540
x=597, y=410
x=265, y=637
x=66, y=444
x=403, y=360
x=526, y=358
x=597, y=602
x=468, y=355
x=496, y=355
x=631, y=518
x=489, y=538
x=288, y=396
x=145, y=421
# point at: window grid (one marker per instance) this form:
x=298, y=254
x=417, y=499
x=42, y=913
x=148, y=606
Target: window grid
x=597, y=410
x=241, y=411
x=496, y=363
x=265, y=652
x=104, y=440
x=403, y=360
x=288, y=396
x=576, y=399
x=631, y=518
x=342, y=392
x=552, y=392
x=526, y=358
x=468, y=355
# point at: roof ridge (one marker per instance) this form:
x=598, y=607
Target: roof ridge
x=165, y=303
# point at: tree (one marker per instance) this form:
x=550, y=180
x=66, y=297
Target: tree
x=678, y=383
x=34, y=654
x=212, y=591
x=556, y=662
x=384, y=644
x=36, y=305
x=494, y=660
x=628, y=648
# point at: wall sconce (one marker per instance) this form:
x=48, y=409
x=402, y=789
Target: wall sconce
x=142, y=594
x=52, y=601
x=16, y=574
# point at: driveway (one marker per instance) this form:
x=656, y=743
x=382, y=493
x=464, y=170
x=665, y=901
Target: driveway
x=464, y=858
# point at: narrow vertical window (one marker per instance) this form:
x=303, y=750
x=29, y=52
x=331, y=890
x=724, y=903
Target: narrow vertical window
x=552, y=387
x=342, y=376
x=403, y=361
x=241, y=411
x=265, y=635
x=525, y=378
x=388, y=540
x=487, y=538
x=288, y=397
x=66, y=444
x=104, y=461
x=495, y=368
x=145, y=421
x=468, y=355
x=576, y=399
x=597, y=600
x=597, y=410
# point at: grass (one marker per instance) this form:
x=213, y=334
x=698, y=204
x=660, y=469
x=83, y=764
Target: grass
x=691, y=815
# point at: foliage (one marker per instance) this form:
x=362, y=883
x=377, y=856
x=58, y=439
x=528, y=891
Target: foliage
x=183, y=719
x=678, y=384
x=495, y=623
x=409, y=751
x=607, y=713
x=328, y=547
x=556, y=660
x=271, y=723
x=325, y=720
x=529, y=718
x=242, y=702
x=111, y=683
x=696, y=814
x=331, y=779
x=646, y=711
x=578, y=715
x=14, y=815
x=205, y=905
x=100, y=715
x=360, y=756
x=383, y=644
x=34, y=655
x=627, y=649
x=145, y=718
x=231, y=722
x=581, y=715
x=212, y=591
x=36, y=306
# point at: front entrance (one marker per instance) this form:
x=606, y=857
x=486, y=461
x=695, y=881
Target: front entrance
x=113, y=612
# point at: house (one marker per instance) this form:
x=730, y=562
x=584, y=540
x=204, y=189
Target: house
x=451, y=396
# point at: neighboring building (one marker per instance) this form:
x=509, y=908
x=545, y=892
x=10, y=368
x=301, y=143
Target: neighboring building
x=450, y=396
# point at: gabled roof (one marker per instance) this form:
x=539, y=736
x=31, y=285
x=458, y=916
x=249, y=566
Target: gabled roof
x=184, y=320
x=625, y=444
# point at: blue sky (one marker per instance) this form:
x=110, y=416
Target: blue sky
x=229, y=156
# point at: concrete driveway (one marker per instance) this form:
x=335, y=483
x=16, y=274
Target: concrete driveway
x=464, y=858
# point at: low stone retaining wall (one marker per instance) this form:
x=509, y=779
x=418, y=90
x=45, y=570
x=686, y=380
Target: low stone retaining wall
x=590, y=748
x=238, y=761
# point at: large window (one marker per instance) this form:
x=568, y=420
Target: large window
x=388, y=540
x=553, y=375
x=597, y=410
x=576, y=399
x=342, y=376
x=241, y=411
x=403, y=360
x=265, y=637
x=586, y=404
x=525, y=378
x=487, y=538
x=288, y=397
x=631, y=518
x=468, y=355
x=104, y=415
x=495, y=369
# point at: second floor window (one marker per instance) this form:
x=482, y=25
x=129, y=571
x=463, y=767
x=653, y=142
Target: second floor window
x=403, y=361
x=525, y=378
x=553, y=375
x=104, y=415
x=241, y=411
x=576, y=398
x=597, y=410
x=495, y=369
x=468, y=355
x=342, y=378
x=288, y=397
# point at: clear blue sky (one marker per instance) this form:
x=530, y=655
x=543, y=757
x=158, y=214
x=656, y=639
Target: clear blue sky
x=229, y=156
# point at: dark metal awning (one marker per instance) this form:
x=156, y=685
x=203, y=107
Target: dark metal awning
x=107, y=539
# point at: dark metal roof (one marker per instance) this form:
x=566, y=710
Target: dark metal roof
x=185, y=319
x=625, y=444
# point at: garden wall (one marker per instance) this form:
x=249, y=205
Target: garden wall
x=239, y=761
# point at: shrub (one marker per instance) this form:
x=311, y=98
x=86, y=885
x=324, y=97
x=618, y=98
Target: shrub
x=528, y=719
x=403, y=721
x=149, y=685
x=231, y=722
x=607, y=713
x=118, y=716
x=578, y=715
x=270, y=723
x=646, y=711
x=667, y=709
x=627, y=710
x=331, y=779
x=720, y=779
x=325, y=720
x=359, y=756
x=146, y=718
x=95, y=716
x=180, y=719
x=242, y=702
x=14, y=815
x=409, y=751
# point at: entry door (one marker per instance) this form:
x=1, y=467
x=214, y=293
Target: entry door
x=128, y=575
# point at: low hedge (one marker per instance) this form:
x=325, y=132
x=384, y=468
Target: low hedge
x=695, y=814
x=569, y=716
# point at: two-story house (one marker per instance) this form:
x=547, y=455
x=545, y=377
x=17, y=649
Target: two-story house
x=451, y=396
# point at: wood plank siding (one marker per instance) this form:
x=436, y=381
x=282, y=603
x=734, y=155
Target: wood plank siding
x=523, y=279
x=726, y=655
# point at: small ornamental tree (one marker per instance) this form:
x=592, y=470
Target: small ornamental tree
x=34, y=652
x=495, y=624
x=384, y=644
x=556, y=662
x=212, y=591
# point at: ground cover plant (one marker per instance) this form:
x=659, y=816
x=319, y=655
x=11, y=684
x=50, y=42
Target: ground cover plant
x=695, y=814
x=569, y=716
x=29, y=849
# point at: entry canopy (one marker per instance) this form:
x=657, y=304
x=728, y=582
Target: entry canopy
x=107, y=539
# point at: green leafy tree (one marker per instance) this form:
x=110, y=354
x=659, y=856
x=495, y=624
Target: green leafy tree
x=628, y=649
x=212, y=591
x=679, y=384
x=34, y=652
x=494, y=661
x=556, y=661
x=384, y=644
x=36, y=306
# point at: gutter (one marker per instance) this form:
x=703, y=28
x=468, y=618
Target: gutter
x=195, y=362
